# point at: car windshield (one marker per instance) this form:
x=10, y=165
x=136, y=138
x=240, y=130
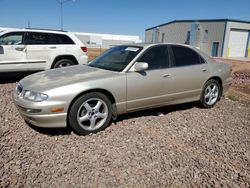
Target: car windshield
x=116, y=58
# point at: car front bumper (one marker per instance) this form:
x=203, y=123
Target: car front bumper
x=45, y=120
x=42, y=118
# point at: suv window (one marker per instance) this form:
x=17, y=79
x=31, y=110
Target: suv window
x=13, y=38
x=156, y=57
x=38, y=38
x=183, y=56
x=62, y=39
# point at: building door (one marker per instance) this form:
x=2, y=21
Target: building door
x=237, y=43
x=215, y=48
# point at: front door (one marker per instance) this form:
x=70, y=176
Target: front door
x=12, y=52
x=153, y=87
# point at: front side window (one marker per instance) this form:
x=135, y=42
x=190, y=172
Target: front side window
x=183, y=56
x=116, y=59
x=156, y=57
x=14, y=38
x=38, y=38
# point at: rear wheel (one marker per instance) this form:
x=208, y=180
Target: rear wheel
x=210, y=94
x=90, y=113
x=63, y=63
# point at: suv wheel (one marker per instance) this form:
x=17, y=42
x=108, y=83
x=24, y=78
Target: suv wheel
x=63, y=63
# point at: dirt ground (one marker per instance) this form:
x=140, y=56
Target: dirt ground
x=94, y=52
x=175, y=146
x=240, y=88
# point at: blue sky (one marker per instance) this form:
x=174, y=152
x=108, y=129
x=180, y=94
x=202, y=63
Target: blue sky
x=130, y=17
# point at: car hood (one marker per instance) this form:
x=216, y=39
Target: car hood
x=51, y=79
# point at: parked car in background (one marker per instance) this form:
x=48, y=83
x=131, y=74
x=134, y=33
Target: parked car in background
x=32, y=49
x=124, y=79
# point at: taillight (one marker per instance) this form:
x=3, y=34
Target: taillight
x=84, y=48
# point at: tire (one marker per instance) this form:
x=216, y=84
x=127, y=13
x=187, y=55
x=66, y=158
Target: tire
x=211, y=94
x=90, y=113
x=63, y=63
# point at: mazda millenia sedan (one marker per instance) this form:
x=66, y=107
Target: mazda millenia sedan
x=124, y=79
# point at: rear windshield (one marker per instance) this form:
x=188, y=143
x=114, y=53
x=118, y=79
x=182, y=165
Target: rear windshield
x=116, y=58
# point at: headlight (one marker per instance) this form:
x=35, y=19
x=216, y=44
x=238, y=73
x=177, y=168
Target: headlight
x=34, y=96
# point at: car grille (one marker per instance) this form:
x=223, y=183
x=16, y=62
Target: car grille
x=19, y=89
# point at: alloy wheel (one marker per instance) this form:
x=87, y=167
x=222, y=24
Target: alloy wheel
x=92, y=114
x=211, y=94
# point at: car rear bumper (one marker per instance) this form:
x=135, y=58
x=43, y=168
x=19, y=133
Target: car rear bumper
x=83, y=60
x=226, y=85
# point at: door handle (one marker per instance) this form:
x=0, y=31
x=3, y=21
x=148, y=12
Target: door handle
x=166, y=75
x=20, y=48
x=52, y=47
x=204, y=70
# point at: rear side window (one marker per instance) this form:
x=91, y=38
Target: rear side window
x=183, y=56
x=156, y=57
x=38, y=38
x=34, y=38
x=13, y=38
x=62, y=39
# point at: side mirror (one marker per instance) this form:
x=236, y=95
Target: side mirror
x=141, y=66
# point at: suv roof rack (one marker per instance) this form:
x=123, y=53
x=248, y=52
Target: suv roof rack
x=45, y=29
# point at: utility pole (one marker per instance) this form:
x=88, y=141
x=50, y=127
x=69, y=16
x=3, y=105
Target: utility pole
x=61, y=2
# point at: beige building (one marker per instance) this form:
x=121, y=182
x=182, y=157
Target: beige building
x=219, y=37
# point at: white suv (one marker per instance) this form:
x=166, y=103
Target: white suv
x=32, y=49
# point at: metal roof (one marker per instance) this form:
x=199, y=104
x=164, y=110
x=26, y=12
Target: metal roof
x=201, y=20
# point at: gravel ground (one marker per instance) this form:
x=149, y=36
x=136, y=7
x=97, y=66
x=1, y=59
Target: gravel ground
x=178, y=146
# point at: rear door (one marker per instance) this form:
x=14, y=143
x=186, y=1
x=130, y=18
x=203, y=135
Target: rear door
x=153, y=87
x=189, y=71
x=39, y=48
x=13, y=52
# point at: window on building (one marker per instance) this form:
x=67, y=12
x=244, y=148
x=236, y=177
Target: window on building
x=205, y=36
x=162, y=37
x=188, y=38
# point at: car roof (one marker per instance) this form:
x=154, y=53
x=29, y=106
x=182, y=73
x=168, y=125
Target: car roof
x=148, y=45
x=156, y=44
x=36, y=30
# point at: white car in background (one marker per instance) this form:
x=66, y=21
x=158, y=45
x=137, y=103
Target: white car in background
x=33, y=50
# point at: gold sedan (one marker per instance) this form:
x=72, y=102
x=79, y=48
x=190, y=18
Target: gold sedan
x=124, y=79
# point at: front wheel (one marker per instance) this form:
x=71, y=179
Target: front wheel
x=90, y=113
x=210, y=94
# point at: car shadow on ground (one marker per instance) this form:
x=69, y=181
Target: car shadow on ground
x=50, y=131
x=158, y=111
x=12, y=77
x=151, y=112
